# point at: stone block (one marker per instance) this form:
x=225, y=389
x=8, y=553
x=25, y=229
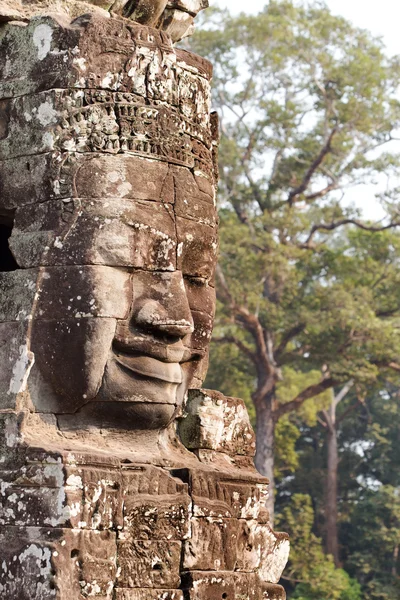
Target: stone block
x=237, y=545
x=157, y=517
x=201, y=296
x=65, y=175
x=70, y=359
x=11, y=438
x=102, y=499
x=120, y=233
x=35, y=507
x=190, y=201
x=30, y=123
x=16, y=359
x=147, y=594
x=123, y=176
x=36, y=57
x=213, y=421
x=64, y=293
x=201, y=585
x=271, y=591
x=220, y=494
x=197, y=248
x=274, y=553
x=62, y=563
x=148, y=564
x=212, y=545
x=37, y=180
x=203, y=326
x=156, y=505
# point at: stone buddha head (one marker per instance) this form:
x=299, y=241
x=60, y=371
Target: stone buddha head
x=114, y=232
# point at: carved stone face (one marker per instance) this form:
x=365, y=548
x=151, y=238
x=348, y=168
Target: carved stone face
x=115, y=231
x=123, y=339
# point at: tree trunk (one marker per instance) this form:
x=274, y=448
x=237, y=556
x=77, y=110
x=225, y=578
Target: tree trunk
x=265, y=434
x=331, y=508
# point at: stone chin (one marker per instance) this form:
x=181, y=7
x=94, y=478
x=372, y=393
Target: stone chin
x=121, y=416
x=113, y=395
x=128, y=401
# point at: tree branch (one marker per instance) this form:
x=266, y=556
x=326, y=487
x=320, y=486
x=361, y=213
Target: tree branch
x=251, y=323
x=326, y=149
x=334, y=225
x=230, y=339
x=287, y=337
x=310, y=392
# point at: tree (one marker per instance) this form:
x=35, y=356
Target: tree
x=367, y=432
x=330, y=421
x=313, y=572
x=309, y=108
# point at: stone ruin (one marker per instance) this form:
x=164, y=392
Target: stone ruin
x=120, y=478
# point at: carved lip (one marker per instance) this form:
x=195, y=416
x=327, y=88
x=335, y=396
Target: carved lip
x=151, y=367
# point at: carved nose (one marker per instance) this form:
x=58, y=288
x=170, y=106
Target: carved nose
x=152, y=315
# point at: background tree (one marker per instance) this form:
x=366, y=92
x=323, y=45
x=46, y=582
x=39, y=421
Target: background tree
x=368, y=497
x=311, y=575
x=309, y=109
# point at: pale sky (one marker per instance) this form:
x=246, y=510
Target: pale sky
x=382, y=19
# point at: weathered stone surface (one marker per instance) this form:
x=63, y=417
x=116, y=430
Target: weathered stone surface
x=59, y=293
x=124, y=233
x=236, y=545
x=197, y=248
x=200, y=585
x=239, y=495
x=121, y=176
x=63, y=563
x=151, y=564
x=218, y=423
x=147, y=594
x=273, y=592
x=81, y=346
x=108, y=173
x=156, y=506
x=16, y=360
x=175, y=17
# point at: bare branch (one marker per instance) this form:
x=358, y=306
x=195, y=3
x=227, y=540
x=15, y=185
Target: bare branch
x=250, y=322
x=223, y=289
x=308, y=245
x=310, y=392
x=287, y=337
x=230, y=339
x=321, y=193
x=343, y=392
x=326, y=149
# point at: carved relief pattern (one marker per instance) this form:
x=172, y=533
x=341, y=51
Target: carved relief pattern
x=116, y=122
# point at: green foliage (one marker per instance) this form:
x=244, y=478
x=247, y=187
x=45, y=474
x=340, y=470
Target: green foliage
x=293, y=382
x=230, y=373
x=368, y=493
x=309, y=106
x=314, y=571
x=373, y=542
